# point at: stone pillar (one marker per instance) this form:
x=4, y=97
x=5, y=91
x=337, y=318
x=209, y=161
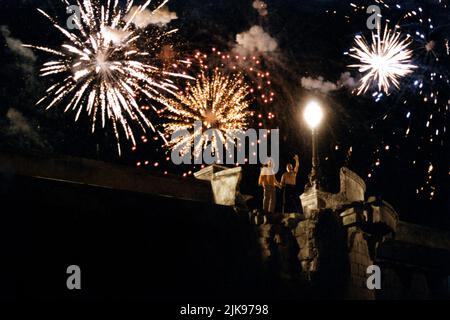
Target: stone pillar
x=265, y=238
x=359, y=261
x=367, y=225
x=339, y=237
x=305, y=236
x=225, y=184
x=315, y=203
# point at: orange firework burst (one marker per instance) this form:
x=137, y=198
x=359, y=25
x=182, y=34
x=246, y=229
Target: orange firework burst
x=216, y=101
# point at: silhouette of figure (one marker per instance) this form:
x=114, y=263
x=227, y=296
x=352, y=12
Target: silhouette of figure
x=269, y=182
x=291, y=202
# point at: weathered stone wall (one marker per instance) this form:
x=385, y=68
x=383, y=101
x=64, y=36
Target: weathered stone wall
x=153, y=244
x=319, y=258
x=307, y=255
x=359, y=260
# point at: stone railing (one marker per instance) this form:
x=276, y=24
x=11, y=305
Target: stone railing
x=224, y=184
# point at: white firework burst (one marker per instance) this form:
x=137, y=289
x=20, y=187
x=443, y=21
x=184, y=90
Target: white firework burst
x=102, y=71
x=384, y=62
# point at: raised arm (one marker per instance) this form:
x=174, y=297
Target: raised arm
x=297, y=163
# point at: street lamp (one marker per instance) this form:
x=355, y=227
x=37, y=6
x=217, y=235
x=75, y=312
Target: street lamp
x=313, y=115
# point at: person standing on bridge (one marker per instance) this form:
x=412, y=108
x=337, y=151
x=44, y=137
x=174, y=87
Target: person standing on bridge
x=291, y=201
x=268, y=181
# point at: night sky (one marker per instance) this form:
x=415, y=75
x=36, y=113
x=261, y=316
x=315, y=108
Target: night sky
x=398, y=143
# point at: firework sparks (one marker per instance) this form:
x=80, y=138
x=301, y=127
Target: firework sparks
x=384, y=62
x=423, y=101
x=103, y=72
x=251, y=68
x=219, y=102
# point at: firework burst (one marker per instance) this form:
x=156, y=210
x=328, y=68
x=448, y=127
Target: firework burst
x=102, y=71
x=215, y=101
x=385, y=61
x=251, y=68
x=423, y=102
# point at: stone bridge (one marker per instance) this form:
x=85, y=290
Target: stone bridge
x=199, y=238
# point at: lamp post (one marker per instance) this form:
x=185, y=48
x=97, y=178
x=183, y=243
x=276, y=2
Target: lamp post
x=313, y=115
